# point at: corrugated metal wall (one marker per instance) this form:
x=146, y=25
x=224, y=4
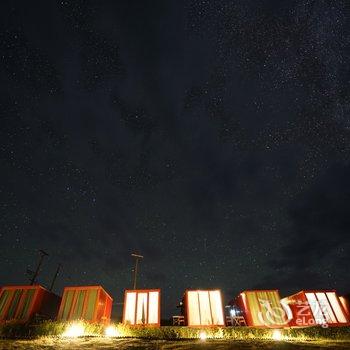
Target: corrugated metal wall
x=262, y=308
x=88, y=303
x=23, y=302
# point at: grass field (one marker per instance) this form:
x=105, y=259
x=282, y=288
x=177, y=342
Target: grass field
x=142, y=344
x=50, y=335
x=56, y=329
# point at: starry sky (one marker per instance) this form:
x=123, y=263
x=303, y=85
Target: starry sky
x=213, y=137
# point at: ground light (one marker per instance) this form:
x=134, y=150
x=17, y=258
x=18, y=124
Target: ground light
x=202, y=336
x=74, y=330
x=277, y=335
x=112, y=331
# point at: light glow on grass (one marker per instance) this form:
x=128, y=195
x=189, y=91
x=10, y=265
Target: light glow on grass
x=277, y=335
x=74, y=330
x=203, y=336
x=112, y=332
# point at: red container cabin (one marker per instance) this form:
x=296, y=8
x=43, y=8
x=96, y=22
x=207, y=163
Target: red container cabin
x=23, y=303
x=142, y=307
x=203, y=308
x=261, y=308
x=310, y=308
x=88, y=303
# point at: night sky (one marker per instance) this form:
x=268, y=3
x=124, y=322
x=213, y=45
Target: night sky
x=213, y=137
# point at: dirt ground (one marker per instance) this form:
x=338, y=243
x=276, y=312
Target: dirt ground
x=139, y=344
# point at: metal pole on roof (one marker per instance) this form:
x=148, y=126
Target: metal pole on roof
x=55, y=277
x=137, y=258
x=36, y=273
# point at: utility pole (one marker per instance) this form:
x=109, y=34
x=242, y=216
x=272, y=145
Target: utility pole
x=36, y=273
x=54, y=277
x=137, y=258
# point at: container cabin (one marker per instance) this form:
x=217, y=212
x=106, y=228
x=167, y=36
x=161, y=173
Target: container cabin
x=88, y=303
x=23, y=303
x=316, y=307
x=260, y=308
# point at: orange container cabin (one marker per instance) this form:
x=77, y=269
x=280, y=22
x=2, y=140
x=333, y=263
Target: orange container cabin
x=261, y=308
x=310, y=308
x=142, y=307
x=88, y=303
x=203, y=308
x=23, y=303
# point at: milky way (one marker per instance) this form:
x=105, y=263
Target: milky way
x=213, y=137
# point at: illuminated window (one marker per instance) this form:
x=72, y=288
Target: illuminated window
x=142, y=309
x=129, y=308
x=204, y=308
x=333, y=299
x=315, y=308
x=205, y=312
x=326, y=308
x=216, y=307
x=193, y=308
x=153, y=316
